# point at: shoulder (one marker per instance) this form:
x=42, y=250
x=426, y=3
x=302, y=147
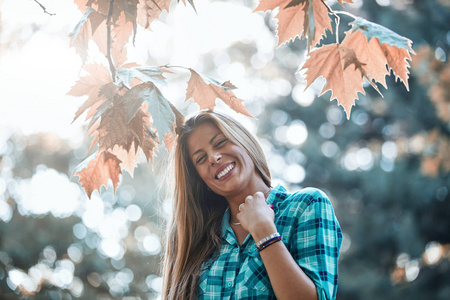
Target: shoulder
x=302, y=198
x=304, y=203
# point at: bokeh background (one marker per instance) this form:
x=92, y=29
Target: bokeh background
x=386, y=169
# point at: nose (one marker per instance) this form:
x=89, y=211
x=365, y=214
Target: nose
x=214, y=158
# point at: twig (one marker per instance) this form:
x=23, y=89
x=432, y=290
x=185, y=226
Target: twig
x=169, y=66
x=43, y=7
x=108, y=39
x=341, y=12
x=338, y=19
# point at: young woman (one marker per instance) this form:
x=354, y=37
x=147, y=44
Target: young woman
x=233, y=236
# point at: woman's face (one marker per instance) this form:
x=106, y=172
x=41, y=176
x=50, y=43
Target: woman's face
x=225, y=167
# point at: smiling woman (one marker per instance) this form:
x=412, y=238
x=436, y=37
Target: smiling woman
x=226, y=213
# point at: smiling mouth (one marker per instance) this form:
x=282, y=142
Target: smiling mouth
x=225, y=172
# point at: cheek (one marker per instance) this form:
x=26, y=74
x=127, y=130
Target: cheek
x=202, y=172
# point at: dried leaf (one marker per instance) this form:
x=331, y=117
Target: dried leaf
x=90, y=85
x=149, y=10
x=129, y=159
x=369, y=54
x=396, y=48
x=122, y=31
x=153, y=74
x=170, y=141
x=205, y=94
x=95, y=172
x=318, y=23
x=179, y=118
x=158, y=106
x=114, y=130
x=342, y=71
x=299, y=18
x=84, y=31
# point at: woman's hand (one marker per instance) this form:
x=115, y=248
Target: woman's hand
x=256, y=216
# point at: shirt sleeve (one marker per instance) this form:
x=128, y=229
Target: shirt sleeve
x=316, y=241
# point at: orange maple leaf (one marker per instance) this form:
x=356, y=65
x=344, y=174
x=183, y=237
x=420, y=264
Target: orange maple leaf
x=85, y=30
x=149, y=10
x=105, y=166
x=90, y=85
x=122, y=31
x=370, y=54
x=114, y=129
x=295, y=19
x=205, y=94
x=342, y=71
x=396, y=48
x=129, y=159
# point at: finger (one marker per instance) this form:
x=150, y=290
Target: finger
x=241, y=206
x=248, y=199
x=260, y=195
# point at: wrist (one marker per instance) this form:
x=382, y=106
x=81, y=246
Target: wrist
x=263, y=231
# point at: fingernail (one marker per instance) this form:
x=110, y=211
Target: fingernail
x=271, y=206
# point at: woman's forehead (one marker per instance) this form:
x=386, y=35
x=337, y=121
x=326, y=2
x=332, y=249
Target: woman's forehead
x=202, y=135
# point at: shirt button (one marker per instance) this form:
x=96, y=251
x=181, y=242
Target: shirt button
x=236, y=250
x=229, y=284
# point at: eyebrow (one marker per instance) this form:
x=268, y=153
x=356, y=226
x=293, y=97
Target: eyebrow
x=210, y=142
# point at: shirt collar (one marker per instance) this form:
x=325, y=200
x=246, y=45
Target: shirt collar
x=226, y=228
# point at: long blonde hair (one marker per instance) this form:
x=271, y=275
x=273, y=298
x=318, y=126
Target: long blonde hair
x=194, y=232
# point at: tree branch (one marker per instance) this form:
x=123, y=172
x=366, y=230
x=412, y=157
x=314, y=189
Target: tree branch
x=108, y=38
x=338, y=19
x=43, y=7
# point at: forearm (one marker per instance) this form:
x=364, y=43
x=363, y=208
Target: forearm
x=287, y=278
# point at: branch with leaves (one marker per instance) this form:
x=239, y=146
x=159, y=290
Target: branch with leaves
x=367, y=52
x=128, y=114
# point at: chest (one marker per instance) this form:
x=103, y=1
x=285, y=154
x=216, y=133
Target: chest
x=238, y=273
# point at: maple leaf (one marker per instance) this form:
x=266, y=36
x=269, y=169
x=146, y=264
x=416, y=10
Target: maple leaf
x=396, y=48
x=342, y=70
x=122, y=31
x=149, y=10
x=98, y=76
x=114, y=130
x=206, y=93
x=128, y=74
x=129, y=159
x=179, y=118
x=170, y=140
x=84, y=31
x=95, y=171
x=158, y=107
x=302, y=18
x=370, y=54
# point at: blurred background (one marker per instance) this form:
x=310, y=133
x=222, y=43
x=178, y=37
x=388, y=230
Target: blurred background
x=386, y=169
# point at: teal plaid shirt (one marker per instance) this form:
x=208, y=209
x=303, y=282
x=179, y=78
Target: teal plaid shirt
x=310, y=232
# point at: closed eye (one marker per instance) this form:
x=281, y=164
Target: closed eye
x=221, y=143
x=200, y=159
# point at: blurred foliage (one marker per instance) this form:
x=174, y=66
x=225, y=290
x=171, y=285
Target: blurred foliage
x=386, y=171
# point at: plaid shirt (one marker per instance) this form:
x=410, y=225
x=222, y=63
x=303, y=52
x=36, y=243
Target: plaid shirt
x=310, y=232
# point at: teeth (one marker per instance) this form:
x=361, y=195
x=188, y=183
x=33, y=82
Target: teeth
x=224, y=172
